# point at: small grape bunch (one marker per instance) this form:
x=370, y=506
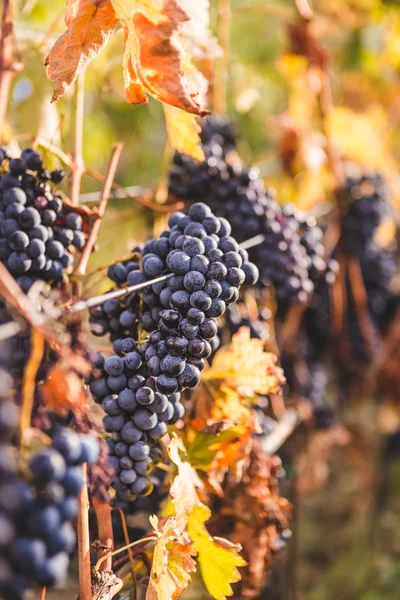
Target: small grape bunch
x=36, y=233
x=137, y=416
x=207, y=270
x=42, y=512
x=122, y=317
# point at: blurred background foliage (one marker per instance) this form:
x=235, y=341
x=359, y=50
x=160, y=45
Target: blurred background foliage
x=348, y=541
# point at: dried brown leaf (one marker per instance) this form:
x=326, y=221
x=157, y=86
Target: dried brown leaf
x=87, y=34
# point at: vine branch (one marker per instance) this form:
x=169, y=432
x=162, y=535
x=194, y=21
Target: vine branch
x=105, y=193
x=105, y=530
x=85, y=584
x=7, y=67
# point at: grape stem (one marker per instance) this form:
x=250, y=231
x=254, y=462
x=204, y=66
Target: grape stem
x=8, y=68
x=85, y=583
x=145, y=540
x=127, y=540
x=105, y=192
x=222, y=63
x=96, y=300
x=105, y=529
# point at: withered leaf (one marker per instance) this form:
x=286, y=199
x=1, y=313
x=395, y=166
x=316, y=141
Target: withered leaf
x=87, y=34
x=243, y=363
x=172, y=562
x=63, y=391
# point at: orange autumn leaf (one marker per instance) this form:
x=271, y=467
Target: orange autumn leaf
x=155, y=51
x=245, y=364
x=71, y=8
x=87, y=34
x=134, y=91
x=63, y=391
x=172, y=562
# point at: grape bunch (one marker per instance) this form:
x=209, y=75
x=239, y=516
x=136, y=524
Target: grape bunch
x=137, y=416
x=208, y=269
x=37, y=531
x=290, y=256
x=364, y=202
x=238, y=316
x=219, y=130
x=36, y=232
x=138, y=386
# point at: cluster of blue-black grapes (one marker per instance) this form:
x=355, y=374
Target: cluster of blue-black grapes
x=291, y=256
x=37, y=511
x=208, y=268
x=137, y=416
x=364, y=203
x=139, y=386
x=36, y=233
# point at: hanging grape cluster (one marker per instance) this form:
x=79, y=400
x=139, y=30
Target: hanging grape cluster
x=37, y=510
x=37, y=234
x=290, y=256
x=139, y=385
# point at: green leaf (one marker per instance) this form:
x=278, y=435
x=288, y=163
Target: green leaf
x=206, y=444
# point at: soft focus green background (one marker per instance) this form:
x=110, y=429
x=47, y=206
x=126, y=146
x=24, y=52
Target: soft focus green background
x=348, y=537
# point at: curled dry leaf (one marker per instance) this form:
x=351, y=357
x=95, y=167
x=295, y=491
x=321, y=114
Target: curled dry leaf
x=160, y=39
x=253, y=515
x=63, y=391
x=172, y=561
x=87, y=34
x=184, y=488
x=244, y=364
x=155, y=51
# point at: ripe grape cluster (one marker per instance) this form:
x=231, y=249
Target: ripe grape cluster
x=291, y=256
x=137, y=416
x=364, y=203
x=208, y=269
x=36, y=515
x=36, y=232
x=138, y=386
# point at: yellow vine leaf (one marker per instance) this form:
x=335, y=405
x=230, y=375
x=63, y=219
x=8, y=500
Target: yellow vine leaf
x=172, y=562
x=243, y=363
x=183, y=131
x=87, y=34
x=218, y=559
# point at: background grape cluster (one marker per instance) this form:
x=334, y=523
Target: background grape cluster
x=290, y=256
x=37, y=234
